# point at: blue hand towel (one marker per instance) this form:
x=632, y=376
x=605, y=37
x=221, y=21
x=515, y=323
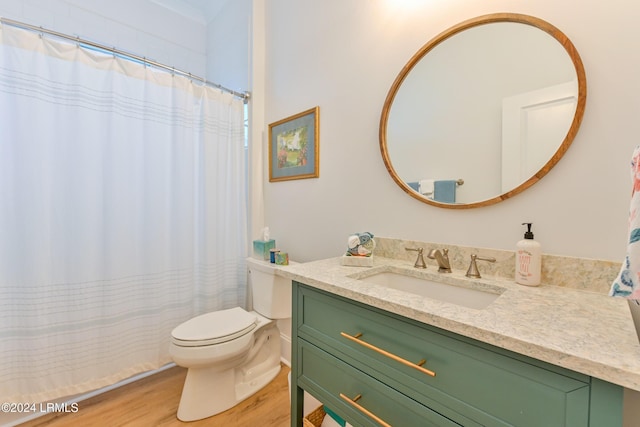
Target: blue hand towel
x=444, y=191
x=414, y=186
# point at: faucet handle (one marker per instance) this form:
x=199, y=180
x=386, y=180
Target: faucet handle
x=473, y=267
x=420, y=260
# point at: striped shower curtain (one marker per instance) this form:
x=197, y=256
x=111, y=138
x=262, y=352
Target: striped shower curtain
x=122, y=214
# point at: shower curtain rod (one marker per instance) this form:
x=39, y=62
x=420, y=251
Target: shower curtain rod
x=242, y=95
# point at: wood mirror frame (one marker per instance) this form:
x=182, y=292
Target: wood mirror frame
x=558, y=35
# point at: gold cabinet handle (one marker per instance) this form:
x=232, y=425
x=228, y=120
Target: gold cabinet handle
x=364, y=410
x=405, y=362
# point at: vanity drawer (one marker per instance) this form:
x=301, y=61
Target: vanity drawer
x=471, y=380
x=334, y=382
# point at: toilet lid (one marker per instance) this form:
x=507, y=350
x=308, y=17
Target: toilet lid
x=214, y=328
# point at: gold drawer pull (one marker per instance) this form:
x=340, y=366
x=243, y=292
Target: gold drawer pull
x=364, y=410
x=417, y=366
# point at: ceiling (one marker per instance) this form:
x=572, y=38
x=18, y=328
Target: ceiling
x=199, y=10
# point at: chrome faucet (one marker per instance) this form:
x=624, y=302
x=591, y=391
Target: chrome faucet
x=473, y=267
x=420, y=260
x=442, y=258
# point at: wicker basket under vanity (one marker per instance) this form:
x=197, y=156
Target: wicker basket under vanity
x=314, y=418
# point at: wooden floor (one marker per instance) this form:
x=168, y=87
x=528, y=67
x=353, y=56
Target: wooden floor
x=153, y=401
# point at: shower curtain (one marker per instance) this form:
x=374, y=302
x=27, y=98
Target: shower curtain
x=122, y=214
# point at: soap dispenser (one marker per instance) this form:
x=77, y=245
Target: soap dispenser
x=528, y=259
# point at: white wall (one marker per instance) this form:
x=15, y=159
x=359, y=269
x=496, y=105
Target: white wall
x=138, y=26
x=343, y=55
x=228, y=45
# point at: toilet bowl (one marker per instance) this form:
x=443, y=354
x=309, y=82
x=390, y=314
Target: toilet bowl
x=231, y=354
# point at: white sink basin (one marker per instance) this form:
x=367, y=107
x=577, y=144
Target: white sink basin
x=464, y=296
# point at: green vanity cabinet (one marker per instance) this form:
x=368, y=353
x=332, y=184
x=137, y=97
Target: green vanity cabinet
x=374, y=367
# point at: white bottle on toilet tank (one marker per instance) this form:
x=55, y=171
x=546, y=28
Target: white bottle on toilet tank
x=528, y=259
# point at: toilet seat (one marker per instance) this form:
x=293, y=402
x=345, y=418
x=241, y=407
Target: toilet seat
x=214, y=328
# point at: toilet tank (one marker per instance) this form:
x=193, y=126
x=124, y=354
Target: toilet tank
x=271, y=294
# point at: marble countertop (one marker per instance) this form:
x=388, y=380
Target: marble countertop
x=587, y=332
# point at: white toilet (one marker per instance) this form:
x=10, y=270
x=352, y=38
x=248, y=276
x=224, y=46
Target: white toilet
x=231, y=354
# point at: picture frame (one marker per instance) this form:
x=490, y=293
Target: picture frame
x=294, y=147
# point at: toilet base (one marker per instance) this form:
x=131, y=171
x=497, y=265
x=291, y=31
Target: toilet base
x=208, y=391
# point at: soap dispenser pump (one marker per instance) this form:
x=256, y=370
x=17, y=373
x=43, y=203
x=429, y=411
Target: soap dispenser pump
x=528, y=259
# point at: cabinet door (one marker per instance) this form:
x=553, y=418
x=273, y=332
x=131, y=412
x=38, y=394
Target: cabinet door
x=472, y=381
x=359, y=397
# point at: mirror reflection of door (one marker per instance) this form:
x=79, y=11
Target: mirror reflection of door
x=533, y=125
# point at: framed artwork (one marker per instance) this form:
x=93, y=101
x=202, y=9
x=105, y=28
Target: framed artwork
x=294, y=147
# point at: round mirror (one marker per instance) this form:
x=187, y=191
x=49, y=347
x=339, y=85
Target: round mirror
x=483, y=111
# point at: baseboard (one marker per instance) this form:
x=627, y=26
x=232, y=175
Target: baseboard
x=285, y=349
